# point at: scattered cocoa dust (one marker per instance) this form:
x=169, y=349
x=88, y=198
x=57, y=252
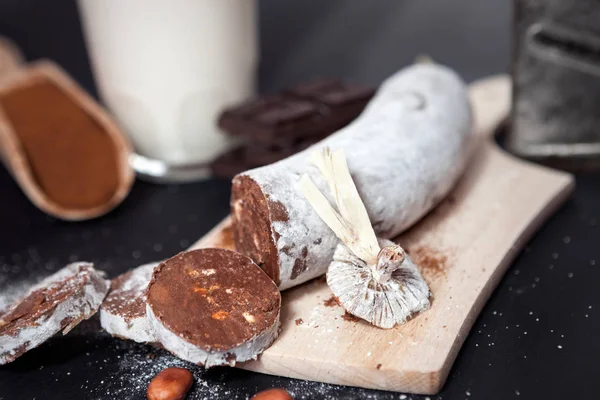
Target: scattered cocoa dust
x=349, y=317
x=431, y=262
x=331, y=302
x=299, y=321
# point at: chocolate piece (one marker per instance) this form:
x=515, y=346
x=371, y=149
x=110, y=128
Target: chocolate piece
x=314, y=109
x=56, y=304
x=337, y=95
x=283, y=124
x=405, y=151
x=252, y=156
x=270, y=118
x=123, y=311
x=232, y=163
x=268, y=154
x=213, y=307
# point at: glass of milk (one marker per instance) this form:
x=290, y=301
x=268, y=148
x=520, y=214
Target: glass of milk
x=166, y=69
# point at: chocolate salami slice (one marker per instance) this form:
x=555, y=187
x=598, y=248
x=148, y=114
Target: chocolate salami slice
x=405, y=152
x=213, y=307
x=123, y=311
x=56, y=304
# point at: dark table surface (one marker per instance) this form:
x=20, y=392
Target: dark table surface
x=536, y=338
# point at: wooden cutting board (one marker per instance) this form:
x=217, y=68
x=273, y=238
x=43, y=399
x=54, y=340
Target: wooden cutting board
x=464, y=247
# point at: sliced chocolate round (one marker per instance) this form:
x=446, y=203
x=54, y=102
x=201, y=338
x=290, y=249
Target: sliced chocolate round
x=123, y=312
x=56, y=304
x=213, y=307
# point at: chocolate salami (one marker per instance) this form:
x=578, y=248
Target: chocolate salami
x=123, y=311
x=405, y=152
x=213, y=307
x=56, y=304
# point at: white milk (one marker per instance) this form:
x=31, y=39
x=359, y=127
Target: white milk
x=167, y=68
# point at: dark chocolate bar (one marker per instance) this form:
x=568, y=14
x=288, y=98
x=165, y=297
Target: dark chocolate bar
x=229, y=164
x=279, y=125
x=251, y=156
x=317, y=108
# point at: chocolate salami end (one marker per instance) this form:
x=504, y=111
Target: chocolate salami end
x=253, y=215
x=406, y=151
x=213, y=307
x=56, y=304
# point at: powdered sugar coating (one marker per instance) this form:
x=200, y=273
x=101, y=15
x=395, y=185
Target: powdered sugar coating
x=186, y=351
x=89, y=287
x=405, y=152
x=123, y=312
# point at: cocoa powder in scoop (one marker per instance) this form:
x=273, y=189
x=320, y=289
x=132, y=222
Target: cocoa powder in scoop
x=72, y=158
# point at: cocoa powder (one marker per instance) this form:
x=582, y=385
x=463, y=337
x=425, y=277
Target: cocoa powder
x=431, y=262
x=331, y=302
x=349, y=317
x=71, y=156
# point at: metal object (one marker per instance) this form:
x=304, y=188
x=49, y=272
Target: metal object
x=158, y=171
x=556, y=92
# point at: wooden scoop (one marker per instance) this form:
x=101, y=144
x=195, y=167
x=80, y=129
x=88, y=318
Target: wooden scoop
x=11, y=57
x=15, y=76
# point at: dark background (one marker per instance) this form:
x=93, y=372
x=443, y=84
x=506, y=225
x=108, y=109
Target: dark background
x=548, y=298
x=364, y=41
